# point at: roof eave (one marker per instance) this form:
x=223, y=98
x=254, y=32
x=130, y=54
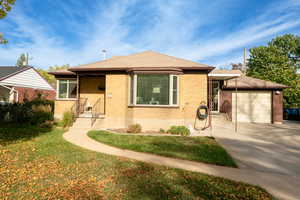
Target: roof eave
x=260, y=88
x=77, y=69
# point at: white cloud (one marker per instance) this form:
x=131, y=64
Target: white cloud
x=177, y=28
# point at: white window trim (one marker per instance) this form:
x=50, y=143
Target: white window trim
x=57, y=89
x=171, y=90
x=134, y=76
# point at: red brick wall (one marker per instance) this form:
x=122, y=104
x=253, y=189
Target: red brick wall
x=31, y=93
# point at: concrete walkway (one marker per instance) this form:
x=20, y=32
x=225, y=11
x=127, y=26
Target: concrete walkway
x=281, y=186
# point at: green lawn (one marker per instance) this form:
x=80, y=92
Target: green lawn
x=39, y=164
x=203, y=149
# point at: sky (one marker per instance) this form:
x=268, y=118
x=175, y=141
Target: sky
x=58, y=32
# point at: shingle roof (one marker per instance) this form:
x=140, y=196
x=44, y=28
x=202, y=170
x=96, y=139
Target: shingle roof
x=6, y=71
x=246, y=82
x=62, y=72
x=147, y=59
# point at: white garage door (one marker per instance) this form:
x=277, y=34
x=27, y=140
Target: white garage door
x=252, y=106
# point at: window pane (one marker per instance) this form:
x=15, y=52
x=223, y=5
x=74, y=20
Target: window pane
x=72, y=89
x=153, y=89
x=175, y=90
x=62, y=88
x=131, y=88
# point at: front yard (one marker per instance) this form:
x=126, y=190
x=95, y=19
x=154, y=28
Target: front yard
x=203, y=149
x=41, y=165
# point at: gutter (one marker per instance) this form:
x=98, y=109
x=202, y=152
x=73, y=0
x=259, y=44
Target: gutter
x=75, y=69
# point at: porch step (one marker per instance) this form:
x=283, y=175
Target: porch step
x=86, y=114
x=86, y=122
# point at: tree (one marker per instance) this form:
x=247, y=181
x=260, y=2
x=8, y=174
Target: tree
x=22, y=60
x=2, y=39
x=279, y=61
x=5, y=7
x=57, y=67
x=51, y=78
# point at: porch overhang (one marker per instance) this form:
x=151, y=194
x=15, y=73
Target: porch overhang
x=223, y=77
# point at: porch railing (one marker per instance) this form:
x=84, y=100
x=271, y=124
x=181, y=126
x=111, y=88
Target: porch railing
x=78, y=107
x=96, y=111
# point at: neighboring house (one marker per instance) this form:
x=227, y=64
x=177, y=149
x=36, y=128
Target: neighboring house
x=257, y=100
x=149, y=88
x=19, y=83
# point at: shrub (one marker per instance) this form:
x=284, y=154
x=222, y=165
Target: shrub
x=68, y=119
x=162, y=130
x=47, y=124
x=30, y=112
x=134, y=128
x=181, y=130
x=40, y=117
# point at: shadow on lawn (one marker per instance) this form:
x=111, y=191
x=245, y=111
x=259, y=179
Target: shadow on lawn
x=12, y=133
x=210, y=152
x=147, y=182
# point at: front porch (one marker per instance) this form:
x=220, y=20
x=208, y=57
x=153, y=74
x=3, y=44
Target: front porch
x=83, y=95
x=90, y=96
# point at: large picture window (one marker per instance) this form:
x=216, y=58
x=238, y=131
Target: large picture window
x=66, y=89
x=154, y=89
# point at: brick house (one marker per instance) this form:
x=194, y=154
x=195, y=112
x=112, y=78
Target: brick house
x=149, y=88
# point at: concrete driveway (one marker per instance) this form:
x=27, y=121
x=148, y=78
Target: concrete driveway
x=263, y=147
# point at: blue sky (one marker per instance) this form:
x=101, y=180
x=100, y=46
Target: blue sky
x=56, y=32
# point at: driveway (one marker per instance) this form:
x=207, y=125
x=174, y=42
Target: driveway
x=262, y=147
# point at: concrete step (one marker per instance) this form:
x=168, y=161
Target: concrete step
x=86, y=122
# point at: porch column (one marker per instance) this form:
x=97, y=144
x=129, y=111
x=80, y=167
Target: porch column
x=77, y=94
x=210, y=101
x=77, y=89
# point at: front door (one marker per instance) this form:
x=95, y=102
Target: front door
x=215, y=96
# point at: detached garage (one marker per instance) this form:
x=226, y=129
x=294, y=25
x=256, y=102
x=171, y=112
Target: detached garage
x=258, y=101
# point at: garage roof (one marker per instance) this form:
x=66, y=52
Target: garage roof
x=246, y=82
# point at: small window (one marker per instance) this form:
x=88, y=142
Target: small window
x=154, y=89
x=72, y=89
x=67, y=89
x=175, y=90
x=63, y=89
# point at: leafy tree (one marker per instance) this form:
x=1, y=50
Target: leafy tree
x=5, y=7
x=48, y=77
x=51, y=78
x=2, y=39
x=57, y=67
x=279, y=61
x=22, y=60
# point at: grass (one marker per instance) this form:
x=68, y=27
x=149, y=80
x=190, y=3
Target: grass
x=44, y=166
x=203, y=149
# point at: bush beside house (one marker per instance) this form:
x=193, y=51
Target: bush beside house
x=33, y=112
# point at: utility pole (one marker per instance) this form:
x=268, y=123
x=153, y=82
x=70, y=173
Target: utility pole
x=245, y=55
x=27, y=58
